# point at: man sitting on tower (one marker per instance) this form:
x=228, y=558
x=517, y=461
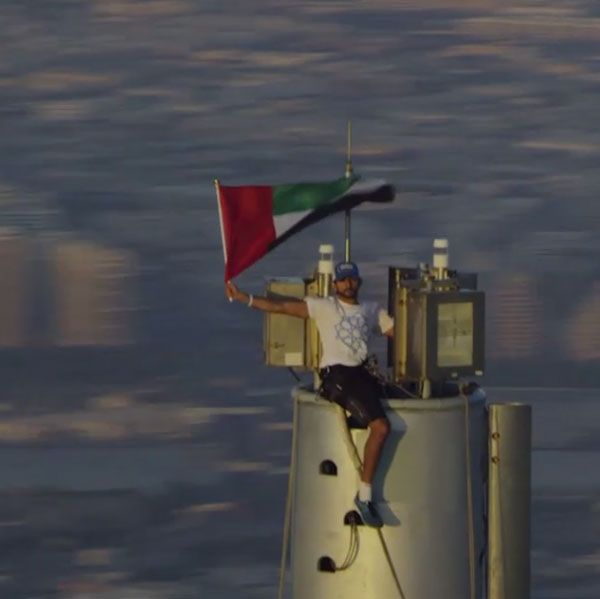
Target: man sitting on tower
x=345, y=327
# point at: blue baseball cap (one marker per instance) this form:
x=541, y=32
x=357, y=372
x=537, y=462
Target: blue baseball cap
x=344, y=270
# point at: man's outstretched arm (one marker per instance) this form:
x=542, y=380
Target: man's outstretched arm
x=289, y=307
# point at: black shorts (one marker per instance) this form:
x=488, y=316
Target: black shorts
x=355, y=389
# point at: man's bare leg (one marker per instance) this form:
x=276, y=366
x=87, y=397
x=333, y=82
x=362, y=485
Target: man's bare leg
x=379, y=430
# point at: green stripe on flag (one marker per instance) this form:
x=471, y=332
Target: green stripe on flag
x=308, y=196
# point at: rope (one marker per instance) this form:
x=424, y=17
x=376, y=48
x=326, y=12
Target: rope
x=348, y=441
x=388, y=557
x=354, y=455
x=288, y=502
x=470, y=528
x=352, y=549
x=293, y=372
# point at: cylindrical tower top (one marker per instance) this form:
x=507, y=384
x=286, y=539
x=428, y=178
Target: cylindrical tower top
x=421, y=494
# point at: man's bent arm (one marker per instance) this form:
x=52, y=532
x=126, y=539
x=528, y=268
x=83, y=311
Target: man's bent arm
x=284, y=306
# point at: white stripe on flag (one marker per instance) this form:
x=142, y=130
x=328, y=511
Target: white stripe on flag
x=284, y=222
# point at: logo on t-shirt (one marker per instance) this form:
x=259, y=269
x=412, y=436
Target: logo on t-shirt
x=353, y=331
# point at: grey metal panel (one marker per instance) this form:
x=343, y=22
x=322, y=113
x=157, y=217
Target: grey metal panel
x=509, y=569
x=432, y=369
x=284, y=337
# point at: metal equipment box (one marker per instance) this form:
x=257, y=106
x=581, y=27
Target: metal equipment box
x=439, y=328
x=284, y=337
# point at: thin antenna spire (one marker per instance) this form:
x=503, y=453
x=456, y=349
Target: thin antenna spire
x=349, y=159
x=348, y=175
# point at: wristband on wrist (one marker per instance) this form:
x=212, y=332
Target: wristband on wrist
x=250, y=300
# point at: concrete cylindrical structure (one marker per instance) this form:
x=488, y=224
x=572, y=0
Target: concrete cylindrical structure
x=420, y=490
x=509, y=571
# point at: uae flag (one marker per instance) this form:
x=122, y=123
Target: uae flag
x=257, y=218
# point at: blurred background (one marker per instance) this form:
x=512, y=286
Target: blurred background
x=144, y=446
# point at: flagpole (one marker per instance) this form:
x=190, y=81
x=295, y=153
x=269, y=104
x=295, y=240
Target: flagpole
x=348, y=175
x=217, y=189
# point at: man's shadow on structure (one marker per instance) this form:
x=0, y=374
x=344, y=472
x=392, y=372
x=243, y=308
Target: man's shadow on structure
x=397, y=432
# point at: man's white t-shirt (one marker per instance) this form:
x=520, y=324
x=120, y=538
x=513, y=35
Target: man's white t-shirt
x=345, y=329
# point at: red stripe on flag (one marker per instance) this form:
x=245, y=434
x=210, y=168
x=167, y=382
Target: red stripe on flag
x=248, y=225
